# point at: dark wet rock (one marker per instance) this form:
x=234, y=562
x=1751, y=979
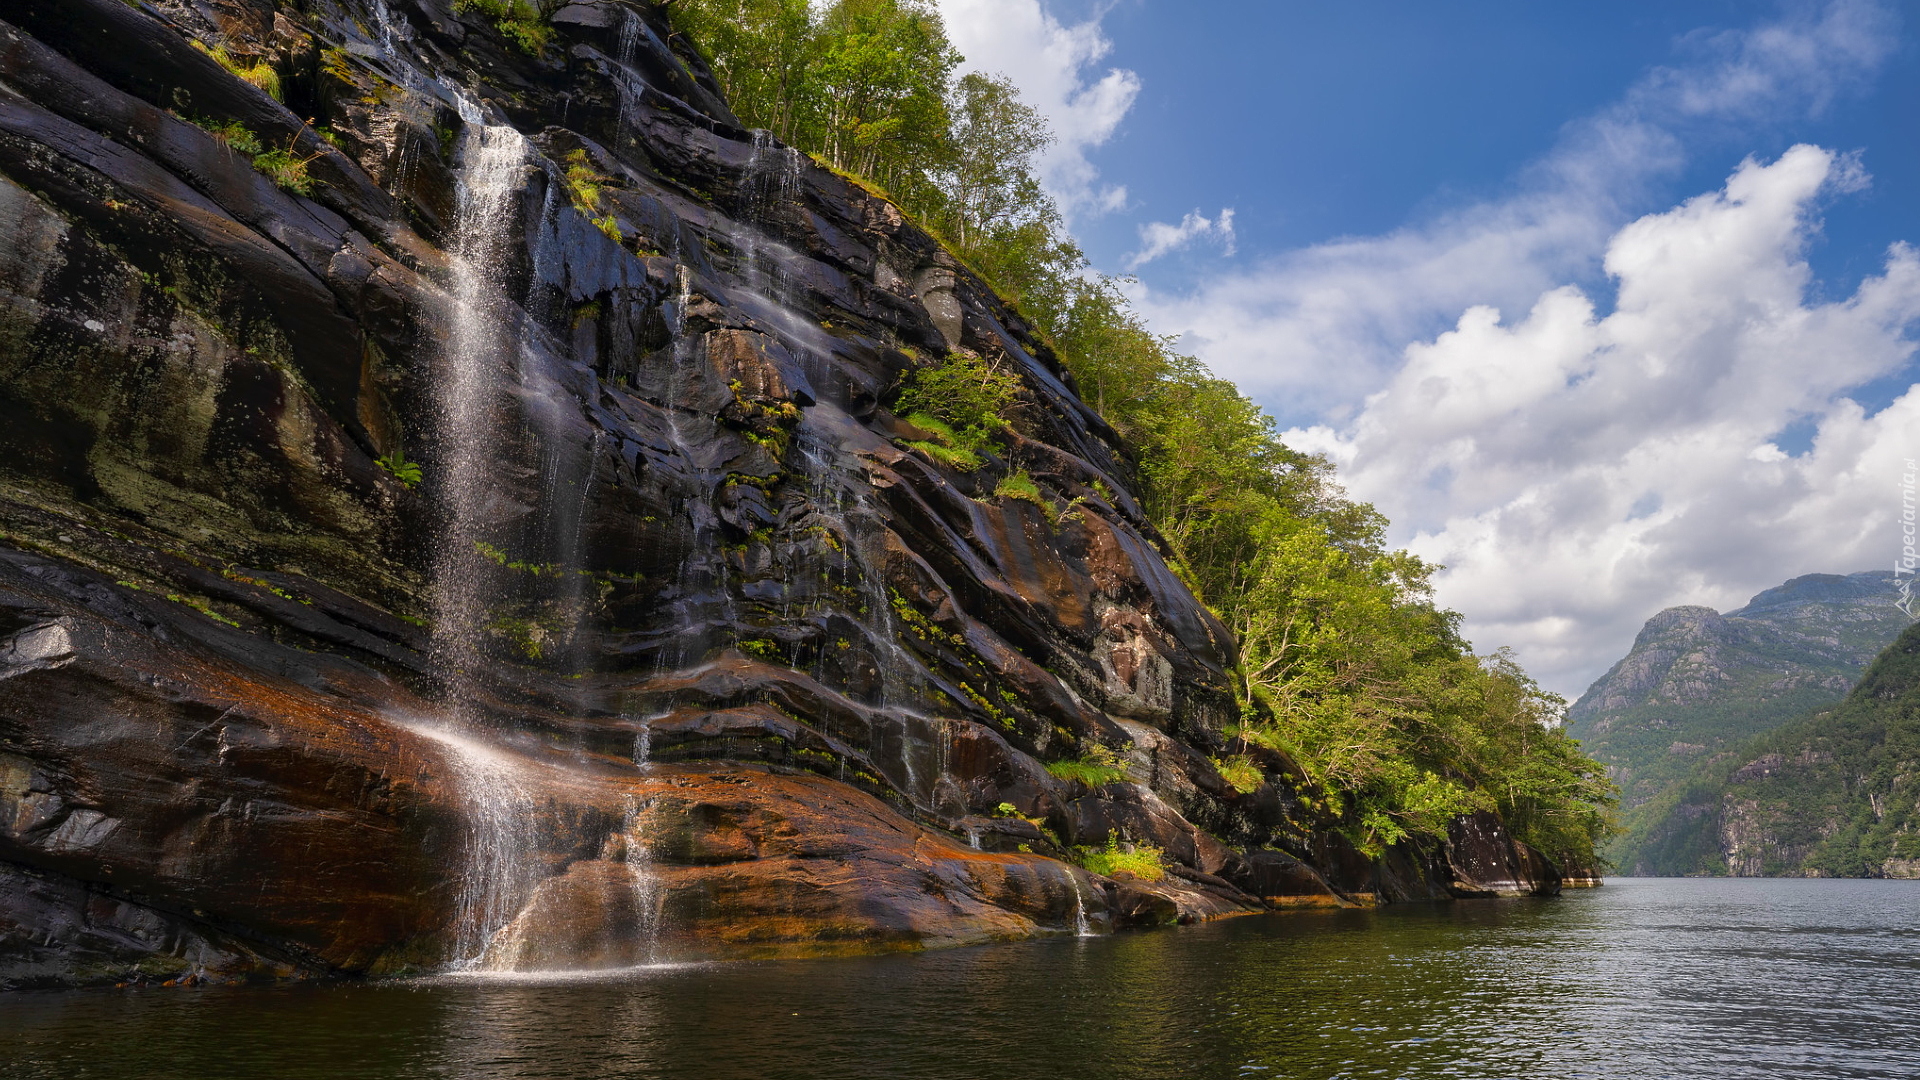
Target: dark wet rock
x=746, y=674
x=1486, y=861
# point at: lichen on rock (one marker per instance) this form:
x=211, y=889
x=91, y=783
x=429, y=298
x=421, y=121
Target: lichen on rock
x=761, y=677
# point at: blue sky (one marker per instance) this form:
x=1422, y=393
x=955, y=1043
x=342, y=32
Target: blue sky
x=1315, y=120
x=1595, y=301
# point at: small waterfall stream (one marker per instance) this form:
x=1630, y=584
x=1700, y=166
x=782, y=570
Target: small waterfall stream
x=498, y=875
x=478, y=359
x=495, y=367
x=491, y=370
x=496, y=879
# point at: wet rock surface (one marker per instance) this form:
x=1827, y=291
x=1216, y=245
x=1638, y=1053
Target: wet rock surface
x=676, y=646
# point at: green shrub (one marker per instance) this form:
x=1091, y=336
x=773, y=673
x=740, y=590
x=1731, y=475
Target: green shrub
x=1240, y=773
x=396, y=463
x=967, y=396
x=520, y=21
x=1143, y=861
x=1021, y=486
x=285, y=168
x=1098, y=765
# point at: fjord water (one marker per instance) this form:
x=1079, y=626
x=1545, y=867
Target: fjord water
x=1642, y=979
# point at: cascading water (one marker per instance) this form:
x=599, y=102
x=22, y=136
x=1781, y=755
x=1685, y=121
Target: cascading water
x=647, y=895
x=846, y=512
x=631, y=30
x=772, y=182
x=491, y=163
x=498, y=875
x=477, y=360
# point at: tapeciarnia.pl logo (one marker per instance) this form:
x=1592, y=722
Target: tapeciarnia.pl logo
x=1903, y=567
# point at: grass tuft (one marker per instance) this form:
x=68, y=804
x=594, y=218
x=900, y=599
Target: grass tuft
x=285, y=168
x=1021, y=486
x=258, y=73
x=1143, y=861
x=1098, y=765
x=1240, y=773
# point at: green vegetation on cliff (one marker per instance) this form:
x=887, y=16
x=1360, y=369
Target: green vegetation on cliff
x=1833, y=794
x=1347, y=665
x=1678, y=710
x=1697, y=682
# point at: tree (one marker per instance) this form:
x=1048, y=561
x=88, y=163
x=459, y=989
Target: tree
x=763, y=52
x=988, y=179
x=883, y=70
x=1347, y=665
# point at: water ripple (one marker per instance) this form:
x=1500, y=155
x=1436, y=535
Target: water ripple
x=1641, y=979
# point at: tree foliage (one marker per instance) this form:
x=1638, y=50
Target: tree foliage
x=1348, y=665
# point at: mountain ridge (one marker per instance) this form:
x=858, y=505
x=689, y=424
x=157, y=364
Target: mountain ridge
x=1697, y=680
x=1832, y=794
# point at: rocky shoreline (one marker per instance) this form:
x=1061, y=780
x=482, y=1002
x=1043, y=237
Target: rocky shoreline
x=733, y=664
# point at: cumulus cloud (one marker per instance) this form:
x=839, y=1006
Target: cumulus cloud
x=1317, y=329
x=1057, y=68
x=1158, y=238
x=1579, y=469
x=1578, y=472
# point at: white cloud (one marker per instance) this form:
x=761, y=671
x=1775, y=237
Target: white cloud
x=1577, y=472
x=1321, y=327
x=1056, y=68
x=1157, y=238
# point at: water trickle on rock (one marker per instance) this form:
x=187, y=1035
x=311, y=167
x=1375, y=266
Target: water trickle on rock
x=475, y=366
x=499, y=872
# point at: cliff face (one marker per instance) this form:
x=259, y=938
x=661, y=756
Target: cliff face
x=454, y=518
x=1834, y=794
x=1697, y=682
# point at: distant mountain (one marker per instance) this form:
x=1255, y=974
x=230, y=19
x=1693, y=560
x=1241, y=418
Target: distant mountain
x=1833, y=794
x=1698, y=682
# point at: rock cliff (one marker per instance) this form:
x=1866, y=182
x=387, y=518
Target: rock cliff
x=1832, y=794
x=452, y=516
x=1696, y=682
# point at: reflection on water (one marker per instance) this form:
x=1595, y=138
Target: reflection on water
x=1640, y=979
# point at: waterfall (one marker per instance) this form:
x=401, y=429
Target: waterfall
x=1081, y=926
x=498, y=364
x=772, y=181
x=479, y=347
x=499, y=874
x=847, y=511
x=647, y=895
x=624, y=78
x=478, y=359
x=705, y=598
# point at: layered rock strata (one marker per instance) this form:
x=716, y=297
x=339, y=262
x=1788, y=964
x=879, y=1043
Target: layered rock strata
x=454, y=518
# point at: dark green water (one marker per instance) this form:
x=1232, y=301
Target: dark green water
x=1640, y=979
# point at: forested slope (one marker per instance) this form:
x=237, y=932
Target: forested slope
x=1347, y=667
x=1832, y=794
x=1697, y=682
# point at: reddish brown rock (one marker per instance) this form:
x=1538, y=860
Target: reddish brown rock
x=719, y=663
